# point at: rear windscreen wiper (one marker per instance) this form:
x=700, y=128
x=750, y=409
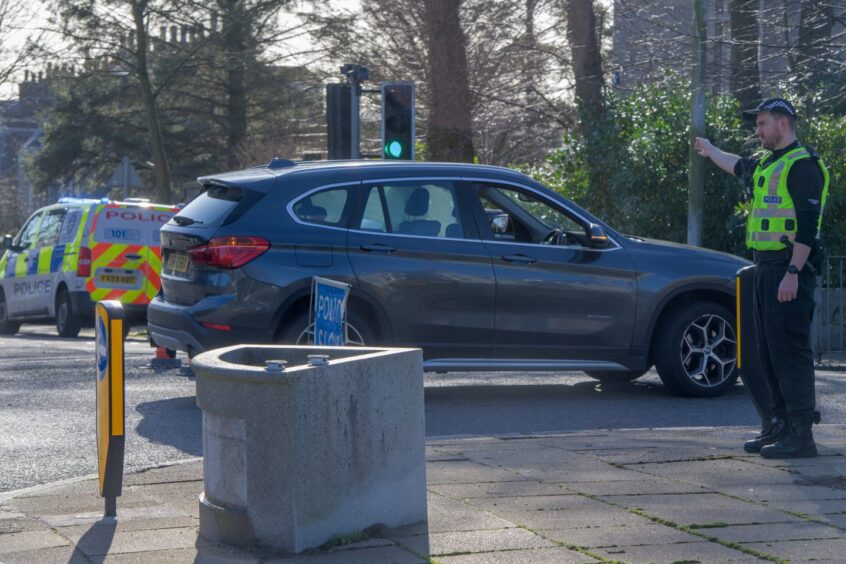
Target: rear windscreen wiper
x=182, y=220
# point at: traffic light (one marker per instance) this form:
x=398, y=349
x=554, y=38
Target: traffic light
x=338, y=121
x=398, y=120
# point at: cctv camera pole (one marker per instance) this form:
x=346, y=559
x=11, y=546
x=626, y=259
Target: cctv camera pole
x=696, y=170
x=356, y=74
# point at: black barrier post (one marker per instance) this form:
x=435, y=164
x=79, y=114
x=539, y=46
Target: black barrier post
x=109, y=354
x=749, y=362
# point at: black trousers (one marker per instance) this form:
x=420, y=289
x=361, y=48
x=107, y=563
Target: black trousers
x=784, y=339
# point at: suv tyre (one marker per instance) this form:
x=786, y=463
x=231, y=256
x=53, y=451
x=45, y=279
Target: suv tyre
x=696, y=350
x=68, y=323
x=300, y=331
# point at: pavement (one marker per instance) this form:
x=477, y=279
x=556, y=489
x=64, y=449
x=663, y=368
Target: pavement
x=638, y=495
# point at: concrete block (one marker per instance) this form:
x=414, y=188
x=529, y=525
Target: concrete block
x=296, y=457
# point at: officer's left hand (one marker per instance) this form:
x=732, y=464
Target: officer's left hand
x=788, y=288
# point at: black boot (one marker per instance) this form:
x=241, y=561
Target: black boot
x=799, y=443
x=777, y=430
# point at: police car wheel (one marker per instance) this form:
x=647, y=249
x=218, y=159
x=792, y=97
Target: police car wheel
x=608, y=377
x=301, y=332
x=696, y=350
x=68, y=323
x=7, y=327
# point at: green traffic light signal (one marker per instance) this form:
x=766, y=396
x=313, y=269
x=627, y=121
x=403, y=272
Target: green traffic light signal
x=394, y=149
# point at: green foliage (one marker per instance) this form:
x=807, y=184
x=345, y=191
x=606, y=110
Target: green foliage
x=632, y=169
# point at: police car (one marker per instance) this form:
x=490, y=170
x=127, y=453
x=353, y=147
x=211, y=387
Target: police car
x=70, y=255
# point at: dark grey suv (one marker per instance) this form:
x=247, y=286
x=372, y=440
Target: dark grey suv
x=482, y=267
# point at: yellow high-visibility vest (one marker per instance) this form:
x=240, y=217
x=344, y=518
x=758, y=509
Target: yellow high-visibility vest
x=773, y=213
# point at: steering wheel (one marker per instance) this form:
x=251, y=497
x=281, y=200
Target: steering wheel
x=554, y=237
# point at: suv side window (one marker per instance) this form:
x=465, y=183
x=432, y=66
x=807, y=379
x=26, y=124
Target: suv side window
x=521, y=216
x=27, y=236
x=423, y=208
x=48, y=235
x=329, y=207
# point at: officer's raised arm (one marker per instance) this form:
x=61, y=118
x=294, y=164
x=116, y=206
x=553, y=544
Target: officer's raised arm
x=726, y=161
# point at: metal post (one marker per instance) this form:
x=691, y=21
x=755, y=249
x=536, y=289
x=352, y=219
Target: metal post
x=111, y=507
x=696, y=174
x=355, y=141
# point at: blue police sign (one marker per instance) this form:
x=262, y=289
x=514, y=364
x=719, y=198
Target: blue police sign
x=329, y=299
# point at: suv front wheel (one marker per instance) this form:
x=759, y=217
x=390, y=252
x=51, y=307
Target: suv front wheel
x=696, y=350
x=68, y=323
x=301, y=332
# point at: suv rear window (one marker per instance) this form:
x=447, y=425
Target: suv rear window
x=211, y=208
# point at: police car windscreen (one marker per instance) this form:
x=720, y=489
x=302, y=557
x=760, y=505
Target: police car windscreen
x=211, y=208
x=131, y=226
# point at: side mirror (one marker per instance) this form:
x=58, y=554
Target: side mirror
x=7, y=242
x=597, y=237
x=500, y=224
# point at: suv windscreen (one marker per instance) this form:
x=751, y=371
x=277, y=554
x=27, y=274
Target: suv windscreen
x=209, y=209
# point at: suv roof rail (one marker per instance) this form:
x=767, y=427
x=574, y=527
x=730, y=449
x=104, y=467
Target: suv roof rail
x=137, y=200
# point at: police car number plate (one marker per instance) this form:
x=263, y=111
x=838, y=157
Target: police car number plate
x=177, y=262
x=110, y=279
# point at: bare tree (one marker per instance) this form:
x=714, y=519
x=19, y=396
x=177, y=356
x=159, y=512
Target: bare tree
x=15, y=51
x=744, y=76
x=450, y=132
x=587, y=58
x=816, y=20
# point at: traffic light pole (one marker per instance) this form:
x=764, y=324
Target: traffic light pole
x=356, y=74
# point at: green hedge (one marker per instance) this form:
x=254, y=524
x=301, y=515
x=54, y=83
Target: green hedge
x=631, y=169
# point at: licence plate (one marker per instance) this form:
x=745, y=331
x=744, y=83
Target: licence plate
x=177, y=262
x=119, y=279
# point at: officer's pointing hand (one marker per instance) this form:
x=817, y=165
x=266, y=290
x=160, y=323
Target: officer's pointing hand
x=703, y=147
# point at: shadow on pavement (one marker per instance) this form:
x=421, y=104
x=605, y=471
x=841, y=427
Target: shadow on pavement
x=176, y=422
x=94, y=545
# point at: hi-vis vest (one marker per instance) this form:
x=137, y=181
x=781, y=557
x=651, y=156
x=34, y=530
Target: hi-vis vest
x=773, y=214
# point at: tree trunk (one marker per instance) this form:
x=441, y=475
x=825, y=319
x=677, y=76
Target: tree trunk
x=154, y=131
x=450, y=132
x=745, y=81
x=815, y=22
x=235, y=46
x=587, y=59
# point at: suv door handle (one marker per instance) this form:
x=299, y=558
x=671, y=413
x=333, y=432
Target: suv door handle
x=133, y=256
x=525, y=259
x=377, y=248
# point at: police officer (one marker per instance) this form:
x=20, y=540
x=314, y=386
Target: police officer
x=790, y=185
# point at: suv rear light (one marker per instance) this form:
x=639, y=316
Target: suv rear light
x=228, y=252
x=83, y=264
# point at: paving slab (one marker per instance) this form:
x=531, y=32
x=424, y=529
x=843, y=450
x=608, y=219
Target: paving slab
x=474, y=541
x=30, y=540
x=825, y=549
x=466, y=471
x=563, y=502
x=450, y=515
x=709, y=509
x=99, y=540
x=784, y=492
x=719, y=473
x=65, y=554
x=643, y=485
x=498, y=489
x=556, y=555
x=775, y=532
x=632, y=535
x=813, y=507
x=604, y=517
x=679, y=552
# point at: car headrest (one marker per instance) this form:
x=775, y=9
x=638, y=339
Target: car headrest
x=418, y=203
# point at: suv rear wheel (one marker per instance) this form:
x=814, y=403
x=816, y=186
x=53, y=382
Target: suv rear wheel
x=6, y=327
x=696, y=350
x=68, y=323
x=301, y=332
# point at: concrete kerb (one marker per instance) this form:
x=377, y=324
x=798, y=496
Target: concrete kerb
x=11, y=494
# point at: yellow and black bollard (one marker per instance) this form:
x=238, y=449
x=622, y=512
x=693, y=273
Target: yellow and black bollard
x=749, y=363
x=108, y=327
